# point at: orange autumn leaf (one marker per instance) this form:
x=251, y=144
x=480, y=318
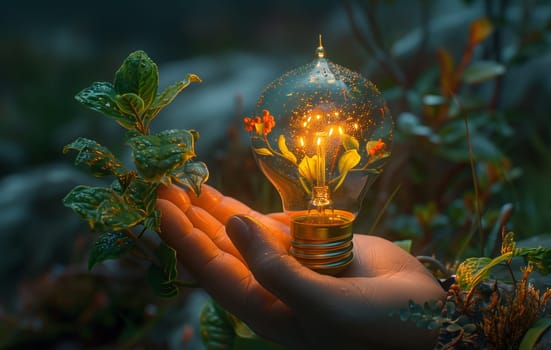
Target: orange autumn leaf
x=480, y=29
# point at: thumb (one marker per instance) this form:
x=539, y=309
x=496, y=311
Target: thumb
x=272, y=265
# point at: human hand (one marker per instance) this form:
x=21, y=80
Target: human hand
x=240, y=257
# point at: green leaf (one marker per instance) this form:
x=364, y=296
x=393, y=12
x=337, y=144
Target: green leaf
x=307, y=168
x=167, y=256
x=409, y=123
x=102, y=97
x=85, y=200
x=480, y=71
x=450, y=309
x=433, y=100
x=216, y=329
x=347, y=161
x=141, y=194
x=508, y=244
x=130, y=103
x=153, y=221
x=263, y=151
x=284, y=150
x=100, y=160
x=116, y=214
x=139, y=75
x=453, y=327
x=192, y=175
x=156, y=155
x=467, y=273
x=539, y=258
x=168, y=95
x=404, y=315
x=469, y=328
x=162, y=278
x=103, y=208
x=157, y=282
x=404, y=244
x=109, y=245
x=380, y=153
x=532, y=336
x=350, y=142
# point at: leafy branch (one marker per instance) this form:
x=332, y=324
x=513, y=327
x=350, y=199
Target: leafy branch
x=128, y=204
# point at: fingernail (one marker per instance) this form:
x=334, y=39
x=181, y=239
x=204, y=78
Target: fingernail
x=239, y=229
x=237, y=226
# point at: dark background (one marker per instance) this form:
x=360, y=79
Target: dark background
x=50, y=50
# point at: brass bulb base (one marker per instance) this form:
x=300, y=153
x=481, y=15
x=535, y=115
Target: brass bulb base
x=323, y=243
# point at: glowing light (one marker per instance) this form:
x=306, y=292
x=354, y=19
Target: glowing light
x=329, y=140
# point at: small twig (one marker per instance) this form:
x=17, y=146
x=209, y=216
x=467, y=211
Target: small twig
x=433, y=261
x=383, y=58
x=143, y=247
x=184, y=284
x=475, y=179
x=142, y=232
x=383, y=209
x=508, y=264
x=455, y=341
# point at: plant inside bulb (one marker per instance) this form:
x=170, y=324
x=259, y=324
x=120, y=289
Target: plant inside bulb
x=321, y=137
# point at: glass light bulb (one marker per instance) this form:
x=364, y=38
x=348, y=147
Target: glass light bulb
x=321, y=135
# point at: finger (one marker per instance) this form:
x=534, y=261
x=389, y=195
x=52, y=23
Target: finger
x=176, y=195
x=281, y=217
x=205, y=222
x=222, y=275
x=279, y=272
x=222, y=208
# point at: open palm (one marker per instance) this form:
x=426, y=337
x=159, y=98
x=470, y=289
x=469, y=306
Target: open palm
x=241, y=259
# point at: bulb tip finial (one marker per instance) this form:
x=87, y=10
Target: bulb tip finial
x=320, y=51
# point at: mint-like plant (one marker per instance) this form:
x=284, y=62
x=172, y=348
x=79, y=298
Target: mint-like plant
x=122, y=212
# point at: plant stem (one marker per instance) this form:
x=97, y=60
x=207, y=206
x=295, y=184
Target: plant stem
x=183, y=284
x=143, y=247
x=383, y=209
x=475, y=184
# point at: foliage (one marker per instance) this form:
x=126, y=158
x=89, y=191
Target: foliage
x=307, y=167
x=221, y=330
x=481, y=312
x=450, y=128
x=117, y=211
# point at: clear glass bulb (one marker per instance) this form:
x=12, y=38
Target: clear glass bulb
x=321, y=136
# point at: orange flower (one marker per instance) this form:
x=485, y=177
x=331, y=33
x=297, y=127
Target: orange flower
x=250, y=123
x=262, y=125
x=377, y=148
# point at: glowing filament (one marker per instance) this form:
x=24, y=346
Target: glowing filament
x=320, y=152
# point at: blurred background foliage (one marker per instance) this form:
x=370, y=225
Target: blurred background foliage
x=445, y=67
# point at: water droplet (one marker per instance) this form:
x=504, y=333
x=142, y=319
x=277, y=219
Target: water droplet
x=107, y=104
